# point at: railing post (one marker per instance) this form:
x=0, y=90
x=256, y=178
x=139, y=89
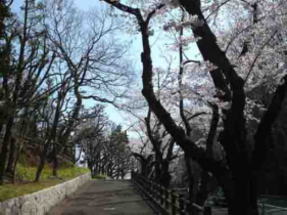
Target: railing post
x=166, y=199
x=151, y=187
x=188, y=207
x=181, y=204
x=156, y=196
x=173, y=202
x=161, y=195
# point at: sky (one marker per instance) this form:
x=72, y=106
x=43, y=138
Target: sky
x=86, y=4
x=157, y=42
x=115, y=115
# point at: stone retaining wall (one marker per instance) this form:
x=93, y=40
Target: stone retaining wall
x=39, y=203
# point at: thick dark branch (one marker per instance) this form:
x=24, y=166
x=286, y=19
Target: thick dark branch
x=154, y=141
x=180, y=74
x=210, y=50
x=212, y=130
x=191, y=61
x=266, y=123
x=153, y=12
x=134, y=11
x=123, y=7
x=100, y=99
x=175, y=131
x=233, y=138
x=148, y=127
x=196, y=115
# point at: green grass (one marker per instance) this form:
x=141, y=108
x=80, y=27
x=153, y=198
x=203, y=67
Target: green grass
x=99, y=177
x=26, y=176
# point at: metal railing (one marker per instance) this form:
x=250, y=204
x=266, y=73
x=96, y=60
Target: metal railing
x=268, y=209
x=166, y=201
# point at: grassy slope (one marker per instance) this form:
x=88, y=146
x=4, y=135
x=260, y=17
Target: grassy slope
x=100, y=176
x=27, y=174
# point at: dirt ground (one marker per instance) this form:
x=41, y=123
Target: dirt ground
x=103, y=197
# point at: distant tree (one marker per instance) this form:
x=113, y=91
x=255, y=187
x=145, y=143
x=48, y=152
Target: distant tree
x=91, y=139
x=119, y=153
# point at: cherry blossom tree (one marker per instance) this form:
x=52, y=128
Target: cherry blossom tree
x=238, y=173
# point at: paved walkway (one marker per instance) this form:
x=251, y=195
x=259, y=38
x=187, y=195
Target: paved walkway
x=100, y=197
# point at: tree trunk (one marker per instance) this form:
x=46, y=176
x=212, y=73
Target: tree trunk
x=55, y=162
x=202, y=193
x=41, y=163
x=245, y=197
x=11, y=157
x=18, y=152
x=55, y=165
x=98, y=168
x=91, y=168
x=165, y=175
x=40, y=169
x=1, y=127
x=102, y=169
x=190, y=179
x=240, y=190
x=4, y=150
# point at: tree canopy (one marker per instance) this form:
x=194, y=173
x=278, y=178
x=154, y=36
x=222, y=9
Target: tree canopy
x=209, y=86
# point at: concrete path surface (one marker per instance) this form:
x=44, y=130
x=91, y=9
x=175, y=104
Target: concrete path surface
x=100, y=197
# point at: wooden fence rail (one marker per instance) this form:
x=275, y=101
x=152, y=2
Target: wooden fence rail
x=268, y=209
x=167, y=201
